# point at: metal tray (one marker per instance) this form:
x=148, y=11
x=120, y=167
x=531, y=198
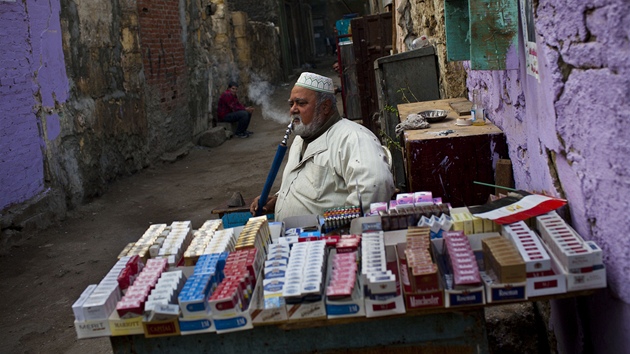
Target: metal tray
x=434, y=116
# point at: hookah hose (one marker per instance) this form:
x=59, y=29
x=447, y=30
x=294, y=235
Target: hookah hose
x=275, y=166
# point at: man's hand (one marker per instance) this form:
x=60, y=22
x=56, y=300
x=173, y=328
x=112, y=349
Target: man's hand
x=249, y=109
x=270, y=206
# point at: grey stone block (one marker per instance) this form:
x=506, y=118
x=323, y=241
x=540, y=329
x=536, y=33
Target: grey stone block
x=212, y=137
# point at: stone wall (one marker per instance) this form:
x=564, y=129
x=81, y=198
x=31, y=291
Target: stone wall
x=95, y=90
x=416, y=18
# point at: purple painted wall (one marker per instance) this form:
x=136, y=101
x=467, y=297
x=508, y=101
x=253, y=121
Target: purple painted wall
x=32, y=81
x=569, y=136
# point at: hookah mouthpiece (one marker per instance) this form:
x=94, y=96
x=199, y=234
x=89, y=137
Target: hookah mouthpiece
x=287, y=133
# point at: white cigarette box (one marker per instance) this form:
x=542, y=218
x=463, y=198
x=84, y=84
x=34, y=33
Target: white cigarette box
x=92, y=328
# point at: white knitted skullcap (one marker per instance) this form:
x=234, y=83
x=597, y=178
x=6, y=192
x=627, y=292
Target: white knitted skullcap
x=316, y=82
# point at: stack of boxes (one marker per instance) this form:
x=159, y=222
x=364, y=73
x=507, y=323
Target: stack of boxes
x=97, y=302
x=421, y=269
x=582, y=260
x=208, y=272
x=200, y=240
x=305, y=272
x=176, y=241
x=132, y=304
x=536, y=258
x=274, y=275
x=154, y=236
x=503, y=259
x=343, y=276
x=461, y=261
x=379, y=283
x=464, y=220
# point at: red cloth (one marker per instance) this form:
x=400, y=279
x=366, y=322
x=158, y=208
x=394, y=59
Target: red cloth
x=228, y=103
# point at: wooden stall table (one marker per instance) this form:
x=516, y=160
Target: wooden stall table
x=446, y=158
x=225, y=209
x=461, y=331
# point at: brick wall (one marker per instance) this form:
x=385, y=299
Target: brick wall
x=21, y=158
x=163, y=51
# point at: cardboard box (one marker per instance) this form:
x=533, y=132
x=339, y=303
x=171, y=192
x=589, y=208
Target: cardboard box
x=307, y=310
x=418, y=299
x=547, y=282
x=241, y=320
x=260, y=314
x=497, y=292
x=203, y=324
x=456, y=298
x=394, y=305
x=164, y=328
x=92, y=328
x=391, y=306
x=125, y=327
x=352, y=307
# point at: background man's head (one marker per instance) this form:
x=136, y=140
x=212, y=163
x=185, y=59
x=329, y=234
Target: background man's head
x=312, y=102
x=233, y=86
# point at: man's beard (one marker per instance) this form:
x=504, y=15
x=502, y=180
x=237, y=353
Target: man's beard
x=303, y=130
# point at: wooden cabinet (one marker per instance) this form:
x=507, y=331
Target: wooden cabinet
x=446, y=158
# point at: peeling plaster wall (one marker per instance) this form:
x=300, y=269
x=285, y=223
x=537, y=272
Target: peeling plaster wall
x=568, y=136
x=416, y=18
x=32, y=83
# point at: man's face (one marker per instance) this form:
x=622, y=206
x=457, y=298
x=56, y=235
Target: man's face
x=233, y=89
x=306, y=120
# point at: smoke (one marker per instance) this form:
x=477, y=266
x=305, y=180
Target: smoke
x=260, y=93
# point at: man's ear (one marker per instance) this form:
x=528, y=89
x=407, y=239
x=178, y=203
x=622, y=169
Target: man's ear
x=327, y=107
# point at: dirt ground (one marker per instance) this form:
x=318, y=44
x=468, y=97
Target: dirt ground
x=43, y=276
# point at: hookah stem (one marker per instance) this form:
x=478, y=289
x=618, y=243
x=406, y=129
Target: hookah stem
x=275, y=166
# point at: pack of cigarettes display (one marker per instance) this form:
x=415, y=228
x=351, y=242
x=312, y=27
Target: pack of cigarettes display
x=255, y=234
x=162, y=300
x=129, y=272
x=208, y=272
x=574, y=254
x=197, y=246
x=534, y=255
x=97, y=302
x=132, y=303
x=274, y=274
x=422, y=272
x=581, y=261
x=461, y=260
x=222, y=241
x=343, y=276
x=464, y=220
x=303, y=281
x=155, y=233
x=401, y=216
x=233, y=294
x=340, y=217
x=422, y=198
x=176, y=241
x=503, y=259
x=379, y=283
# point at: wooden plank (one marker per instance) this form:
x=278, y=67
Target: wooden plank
x=493, y=34
x=503, y=176
x=461, y=108
x=457, y=23
x=447, y=124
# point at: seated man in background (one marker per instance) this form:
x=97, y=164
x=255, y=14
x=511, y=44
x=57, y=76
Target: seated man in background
x=330, y=159
x=231, y=110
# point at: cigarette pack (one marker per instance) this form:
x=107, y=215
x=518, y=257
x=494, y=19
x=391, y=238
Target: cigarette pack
x=529, y=246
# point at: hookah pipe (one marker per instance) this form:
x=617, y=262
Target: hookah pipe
x=275, y=166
